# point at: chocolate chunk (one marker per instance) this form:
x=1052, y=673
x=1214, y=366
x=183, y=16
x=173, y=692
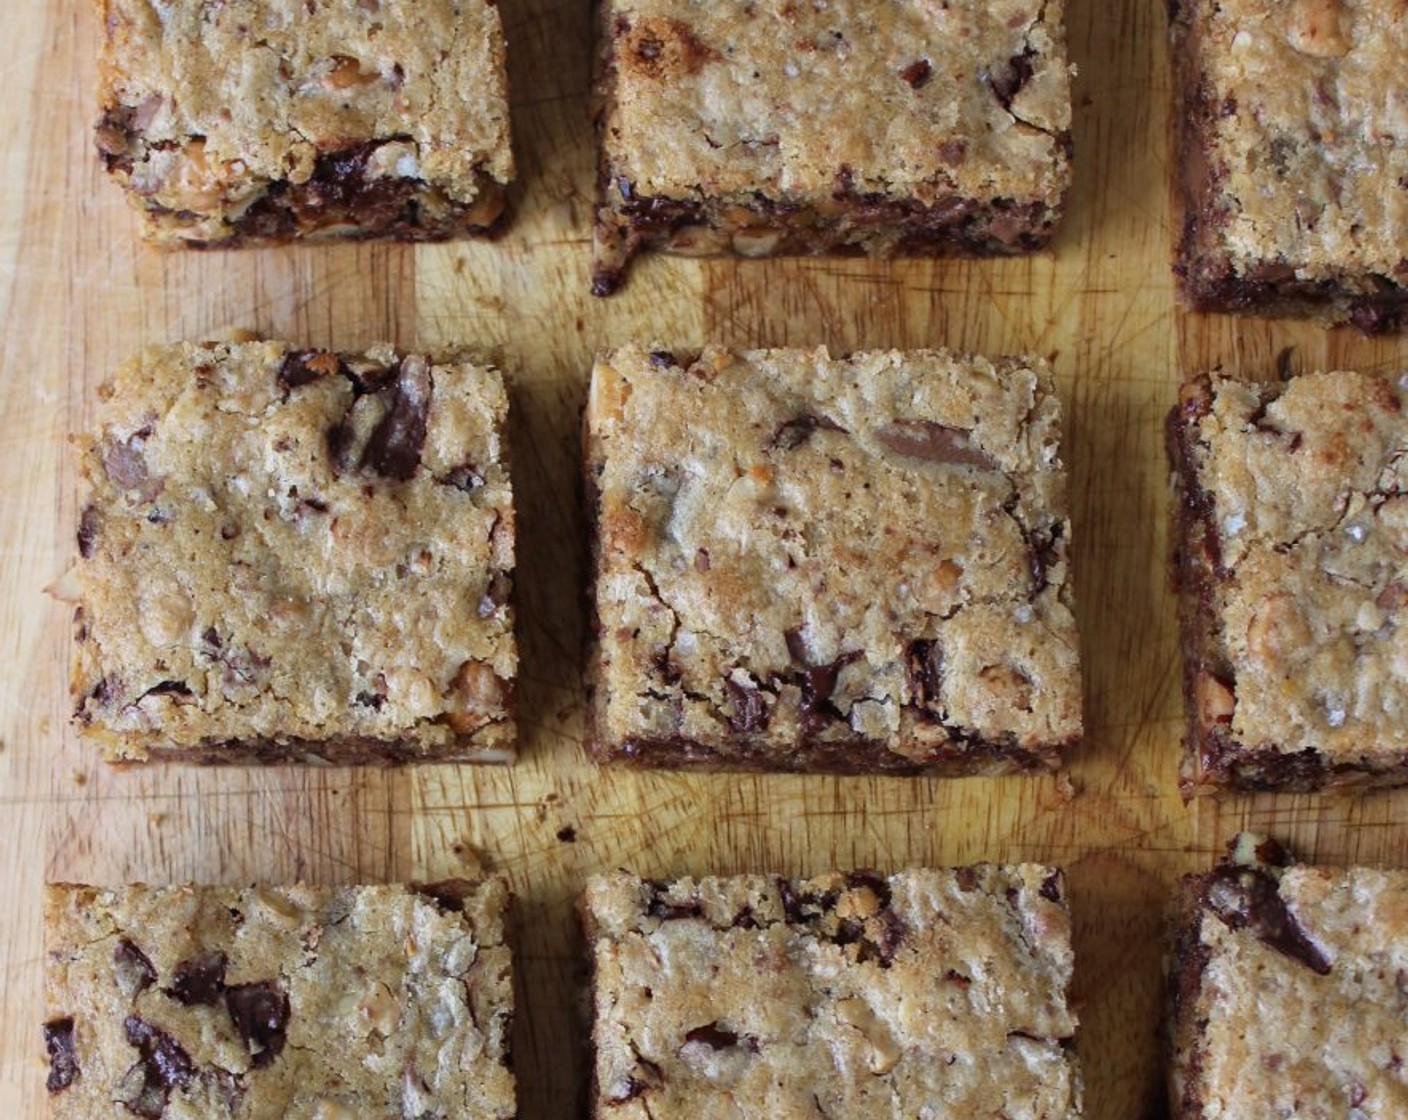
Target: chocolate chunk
x=199, y=980
x=881, y=939
x=917, y=74
x=88, y=525
x=134, y=969
x=791, y=901
x=164, y=1066
x=792, y=434
x=818, y=682
x=464, y=477
x=875, y=939
x=720, y=1038
x=340, y=185
x=670, y=911
x=934, y=443
x=167, y=688
x=124, y=463
x=645, y=1076
x=1245, y=898
x=302, y=367
x=260, y=1013
x=447, y=894
x=1045, y=549
x=395, y=444
x=925, y=662
x=1052, y=887
x=63, y=1056
x=967, y=878
x=495, y=595
x=750, y=711
x=1007, y=80
x=662, y=359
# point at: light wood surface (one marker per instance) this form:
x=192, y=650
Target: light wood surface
x=79, y=294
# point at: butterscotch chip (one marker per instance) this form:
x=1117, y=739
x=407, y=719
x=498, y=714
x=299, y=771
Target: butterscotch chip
x=1293, y=559
x=814, y=563
x=939, y=993
x=297, y=554
x=263, y=121
x=330, y=1003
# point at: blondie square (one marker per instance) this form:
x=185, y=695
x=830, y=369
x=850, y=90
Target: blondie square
x=1287, y=990
x=250, y=122
x=882, y=127
x=322, y=1003
x=1293, y=568
x=297, y=554
x=1294, y=157
x=812, y=563
x=851, y=996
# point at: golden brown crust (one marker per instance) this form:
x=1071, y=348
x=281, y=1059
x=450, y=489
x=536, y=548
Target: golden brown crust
x=331, y=1003
x=1288, y=993
x=848, y=996
x=807, y=562
x=1295, y=155
x=1294, y=526
x=297, y=554
x=858, y=126
x=263, y=120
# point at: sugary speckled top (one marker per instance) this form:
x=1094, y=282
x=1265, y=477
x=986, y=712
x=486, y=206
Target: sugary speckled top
x=1310, y=130
x=1309, y=481
x=309, y=1003
x=297, y=547
x=900, y=98
x=927, y=994
x=1316, y=1031
x=799, y=546
x=224, y=98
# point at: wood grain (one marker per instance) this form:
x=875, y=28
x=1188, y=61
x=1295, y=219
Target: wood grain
x=78, y=293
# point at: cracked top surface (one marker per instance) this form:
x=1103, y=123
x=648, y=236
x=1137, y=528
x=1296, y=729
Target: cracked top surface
x=1309, y=489
x=899, y=98
x=927, y=993
x=312, y=1003
x=1308, y=135
x=288, y=546
x=223, y=98
x=795, y=548
x=1302, y=995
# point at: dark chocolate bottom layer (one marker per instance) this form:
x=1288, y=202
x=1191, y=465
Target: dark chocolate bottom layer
x=351, y=751
x=843, y=756
x=341, y=201
x=1374, y=304
x=853, y=225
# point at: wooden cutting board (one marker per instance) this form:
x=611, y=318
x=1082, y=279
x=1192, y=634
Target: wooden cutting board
x=79, y=294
